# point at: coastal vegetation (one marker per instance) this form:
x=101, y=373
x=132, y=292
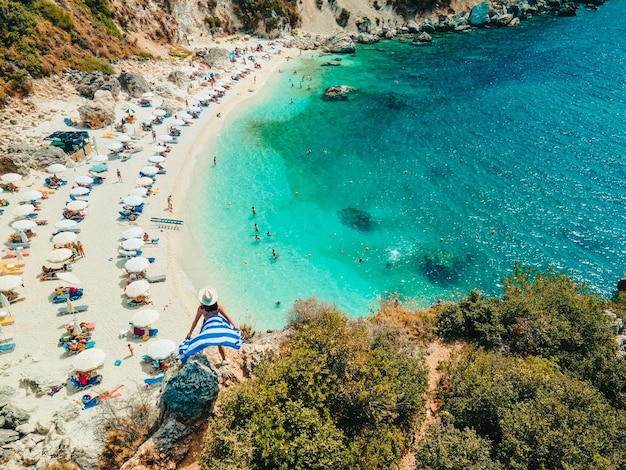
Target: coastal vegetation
x=535, y=383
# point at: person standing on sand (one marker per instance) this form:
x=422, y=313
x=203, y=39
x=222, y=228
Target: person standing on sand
x=153, y=135
x=119, y=176
x=170, y=207
x=218, y=329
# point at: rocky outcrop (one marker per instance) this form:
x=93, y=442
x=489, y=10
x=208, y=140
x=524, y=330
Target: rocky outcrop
x=179, y=78
x=100, y=113
x=306, y=43
x=133, y=83
x=214, y=57
x=92, y=82
x=338, y=44
x=366, y=38
x=479, y=15
x=338, y=93
x=423, y=38
x=22, y=158
x=187, y=400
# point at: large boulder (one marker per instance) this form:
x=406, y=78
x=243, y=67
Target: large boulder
x=366, y=38
x=133, y=83
x=338, y=44
x=179, y=78
x=338, y=93
x=214, y=57
x=412, y=26
x=479, y=15
x=187, y=400
x=100, y=113
x=92, y=82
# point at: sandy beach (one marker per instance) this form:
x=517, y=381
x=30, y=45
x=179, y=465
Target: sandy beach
x=38, y=325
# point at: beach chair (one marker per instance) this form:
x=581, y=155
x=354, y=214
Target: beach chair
x=7, y=347
x=155, y=278
x=77, y=308
x=95, y=380
x=150, y=381
x=6, y=320
x=80, y=346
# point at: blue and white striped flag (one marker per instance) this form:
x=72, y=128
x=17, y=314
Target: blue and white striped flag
x=216, y=331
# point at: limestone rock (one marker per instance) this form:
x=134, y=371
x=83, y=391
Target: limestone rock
x=69, y=412
x=339, y=44
x=86, y=459
x=366, y=38
x=412, y=27
x=424, y=38
x=479, y=15
x=90, y=83
x=179, y=78
x=568, y=9
x=514, y=22
x=214, y=57
x=338, y=93
x=134, y=83
x=8, y=435
x=32, y=456
x=304, y=43
x=96, y=115
x=13, y=416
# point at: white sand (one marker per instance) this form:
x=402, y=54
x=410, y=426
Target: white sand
x=38, y=326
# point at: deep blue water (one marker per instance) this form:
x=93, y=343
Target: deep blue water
x=478, y=151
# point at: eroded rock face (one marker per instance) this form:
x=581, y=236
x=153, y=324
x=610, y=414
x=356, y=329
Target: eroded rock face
x=100, y=113
x=90, y=83
x=339, y=44
x=213, y=57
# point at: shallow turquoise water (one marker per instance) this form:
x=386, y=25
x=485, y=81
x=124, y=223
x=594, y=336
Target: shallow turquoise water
x=481, y=150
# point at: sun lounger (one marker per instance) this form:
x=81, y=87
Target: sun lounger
x=128, y=253
x=153, y=279
x=13, y=253
x=7, y=320
x=95, y=380
x=77, y=308
x=5, y=338
x=79, y=348
x=7, y=347
x=16, y=245
x=153, y=380
x=167, y=223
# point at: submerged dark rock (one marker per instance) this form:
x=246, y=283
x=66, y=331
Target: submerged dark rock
x=442, y=267
x=338, y=93
x=356, y=218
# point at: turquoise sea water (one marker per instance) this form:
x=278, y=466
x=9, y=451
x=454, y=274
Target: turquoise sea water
x=481, y=150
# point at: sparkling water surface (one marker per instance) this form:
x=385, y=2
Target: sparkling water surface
x=447, y=165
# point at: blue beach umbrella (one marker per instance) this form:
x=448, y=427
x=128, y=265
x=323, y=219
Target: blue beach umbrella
x=216, y=331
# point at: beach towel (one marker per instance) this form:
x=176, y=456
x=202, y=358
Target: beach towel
x=216, y=331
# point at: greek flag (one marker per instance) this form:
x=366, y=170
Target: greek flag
x=216, y=331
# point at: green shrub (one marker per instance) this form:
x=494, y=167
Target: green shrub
x=55, y=14
x=93, y=64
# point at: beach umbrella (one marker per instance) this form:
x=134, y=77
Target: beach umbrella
x=132, y=244
x=148, y=95
x=156, y=159
x=64, y=237
x=160, y=148
x=31, y=195
x=145, y=181
x=59, y=255
x=178, y=122
x=133, y=201
x=56, y=168
x=88, y=359
x=80, y=191
x=186, y=116
x=165, y=138
x=23, y=237
x=137, y=288
x=77, y=205
x=69, y=278
x=129, y=111
x=65, y=224
x=137, y=264
x=24, y=224
x=100, y=158
x=10, y=282
x=5, y=302
x=24, y=209
x=141, y=192
x=123, y=138
x=76, y=327
x=159, y=112
x=149, y=170
x=133, y=232
x=145, y=317
x=10, y=177
x=113, y=146
x=82, y=179
x=195, y=109
x=219, y=89
x=161, y=349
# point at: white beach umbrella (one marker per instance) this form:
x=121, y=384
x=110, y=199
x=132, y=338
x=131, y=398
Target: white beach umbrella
x=141, y=192
x=31, y=195
x=219, y=88
x=186, y=116
x=123, y=138
x=115, y=146
x=160, y=148
x=133, y=200
x=10, y=282
x=69, y=278
x=188, y=119
x=65, y=224
x=132, y=244
x=24, y=224
x=159, y=112
x=22, y=210
x=165, y=138
x=10, y=177
x=137, y=288
x=82, y=179
x=149, y=170
x=89, y=359
x=148, y=95
x=77, y=205
x=133, y=232
x=56, y=168
x=64, y=238
x=161, y=349
x=59, y=255
x=80, y=191
x=145, y=317
x=144, y=181
x=100, y=158
x=137, y=264
x=195, y=109
x=177, y=122
x=156, y=158
x=129, y=111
